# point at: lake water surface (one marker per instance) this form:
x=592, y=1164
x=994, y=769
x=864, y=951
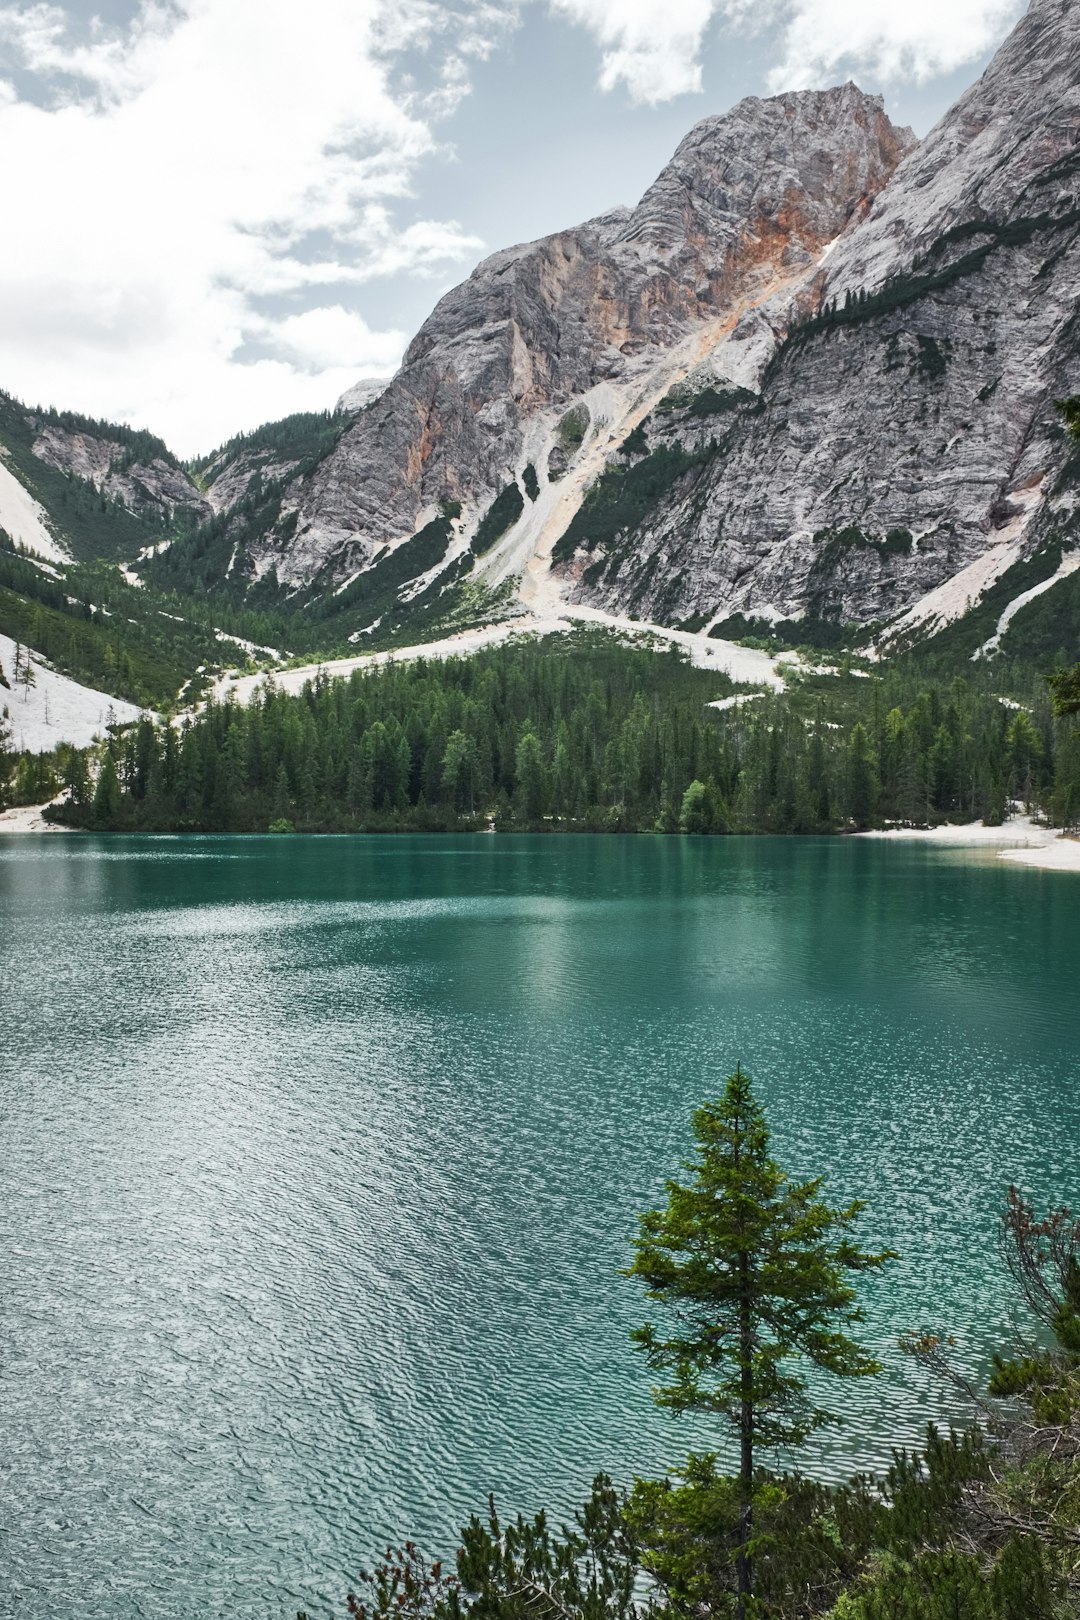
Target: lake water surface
x=319, y=1159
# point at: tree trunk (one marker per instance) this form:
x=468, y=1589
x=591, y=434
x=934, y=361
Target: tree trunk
x=743, y=1571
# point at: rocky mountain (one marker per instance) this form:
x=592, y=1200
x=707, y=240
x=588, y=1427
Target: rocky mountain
x=93, y=489
x=904, y=440
x=811, y=373
x=810, y=376
x=556, y=342
x=145, y=479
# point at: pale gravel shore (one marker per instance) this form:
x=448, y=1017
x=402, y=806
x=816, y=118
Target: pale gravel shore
x=1019, y=839
x=28, y=818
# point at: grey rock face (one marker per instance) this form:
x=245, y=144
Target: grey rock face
x=230, y=476
x=150, y=488
x=911, y=439
x=362, y=393
x=719, y=246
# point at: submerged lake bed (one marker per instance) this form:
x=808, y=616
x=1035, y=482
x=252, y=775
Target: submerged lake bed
x=322, y=1156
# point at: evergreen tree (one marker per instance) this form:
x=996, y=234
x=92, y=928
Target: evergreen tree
x=861, y=778
x=7, y=756
x=753, y=1271
x=108, y=801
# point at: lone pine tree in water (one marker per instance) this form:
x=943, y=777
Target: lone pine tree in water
x=754, y=1273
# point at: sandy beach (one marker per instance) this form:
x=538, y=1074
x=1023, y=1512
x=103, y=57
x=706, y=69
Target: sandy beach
x=28, y=818
x=1019, y=839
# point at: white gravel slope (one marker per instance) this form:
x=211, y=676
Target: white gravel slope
x=55, y=709
x=24, y=520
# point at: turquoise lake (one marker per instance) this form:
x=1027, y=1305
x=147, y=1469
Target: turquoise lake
x=320, y=1158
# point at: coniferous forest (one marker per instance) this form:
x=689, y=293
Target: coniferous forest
x=586, y=733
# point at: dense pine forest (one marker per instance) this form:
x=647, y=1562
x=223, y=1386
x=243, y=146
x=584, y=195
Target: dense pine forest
x=587, y=733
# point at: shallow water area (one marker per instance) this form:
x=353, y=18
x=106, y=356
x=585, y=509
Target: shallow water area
x=321, y=1157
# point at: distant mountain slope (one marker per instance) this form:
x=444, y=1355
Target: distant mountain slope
x=106, y=490
x=809, y=380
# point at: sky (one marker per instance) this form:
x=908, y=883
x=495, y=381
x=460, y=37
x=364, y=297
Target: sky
x=218, y=212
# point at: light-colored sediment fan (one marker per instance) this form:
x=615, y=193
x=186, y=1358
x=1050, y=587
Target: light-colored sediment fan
x=907, y=441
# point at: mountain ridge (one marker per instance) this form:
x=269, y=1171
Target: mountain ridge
x=808, y=378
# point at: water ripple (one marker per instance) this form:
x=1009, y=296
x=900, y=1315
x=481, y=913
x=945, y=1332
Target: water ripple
x=321, y=1158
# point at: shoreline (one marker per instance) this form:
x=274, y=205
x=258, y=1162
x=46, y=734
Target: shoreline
x=1020, y=840
x=28, y=818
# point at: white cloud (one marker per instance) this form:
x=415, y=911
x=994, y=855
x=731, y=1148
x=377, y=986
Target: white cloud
x=914, y=41
x=325, y=339
x=172, y=178
x=653, y=47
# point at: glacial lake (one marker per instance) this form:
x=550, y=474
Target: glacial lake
x=320, y=1158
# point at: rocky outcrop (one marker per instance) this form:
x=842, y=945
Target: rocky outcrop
x=720, y=251
x=149, y=485
x=362, y=394
x=905, y=437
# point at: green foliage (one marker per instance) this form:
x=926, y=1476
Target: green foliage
x=835, y=545
x=709, y=401
x=501, y=515
x=777, y=634
x=304, y=438
x=376, y=589
x=808, y=1538
x=950, y=1584
x=1036, y=632
x=531, y=482
x=1069, y=410
x=92, y=626
x=622, y=496
x=573, y=427
x=92, y=525
x=752, y=1272
x=7, y=755
x=518, y=1570
x=619, y=738
x=108, y=801
x=583, y=724
x=931, y=357
x=1065, y=690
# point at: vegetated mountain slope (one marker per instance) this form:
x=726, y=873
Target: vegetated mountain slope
x=550, y=344
x=244, y=483
x=904, y=440
x=103, y=490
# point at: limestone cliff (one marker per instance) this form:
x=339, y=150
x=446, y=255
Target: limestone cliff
x=718, y=253
x=148, y=484
x=904, y=441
